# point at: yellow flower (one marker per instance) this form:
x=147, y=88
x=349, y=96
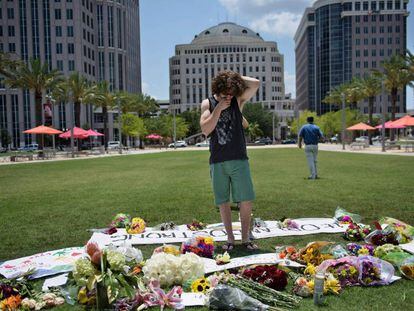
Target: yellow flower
x=363, y=251
x=137, y=226
x=332, y=285
x=200, y=285
x=311, y=285
x=12, y=303
x=82, y=296
x=353, y=270
x=310, y=269
x=208, y=240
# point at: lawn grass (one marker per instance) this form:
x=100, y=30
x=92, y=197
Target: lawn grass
x=46, y=206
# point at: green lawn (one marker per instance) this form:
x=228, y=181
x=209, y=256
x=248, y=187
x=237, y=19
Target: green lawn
x=45, y=206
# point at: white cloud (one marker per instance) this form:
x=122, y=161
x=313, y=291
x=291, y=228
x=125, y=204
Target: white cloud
x=279, y=17
x=281, y=24
x=145, y=87
x=290, y=84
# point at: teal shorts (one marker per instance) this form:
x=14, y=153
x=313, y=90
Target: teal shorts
x=232, y=176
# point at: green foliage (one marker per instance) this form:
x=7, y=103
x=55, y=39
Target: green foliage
x=297, y=124
x=254, y=131
x=192, y=118
x=163, y=125
x=255, y=113
x=133, y=125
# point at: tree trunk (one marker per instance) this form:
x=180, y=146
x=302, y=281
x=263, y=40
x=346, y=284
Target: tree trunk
x=38, y=116
x=77, y=113
x=394, y=92
x=370, y=121
x=105, y=124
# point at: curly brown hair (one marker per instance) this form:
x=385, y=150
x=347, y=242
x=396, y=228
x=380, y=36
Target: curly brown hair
x=228, y=82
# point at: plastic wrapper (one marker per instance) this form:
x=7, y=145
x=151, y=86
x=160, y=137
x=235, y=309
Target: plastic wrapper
x=381, y=237
x=338, y=251
x=404, y=232
x=224, y=297
x=345, y=217
x=407, y=268
x=362, y=270
x=383, y=250
x=396, y=258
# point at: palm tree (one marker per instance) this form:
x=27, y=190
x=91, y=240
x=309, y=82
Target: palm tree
x=371, y=87
x=36, y=77
x=81, y=92
x=107, y=100
x=396, y=76
x=7, y=65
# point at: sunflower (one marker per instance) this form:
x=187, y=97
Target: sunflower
x=200, y=285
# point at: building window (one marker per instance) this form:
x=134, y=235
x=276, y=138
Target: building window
x=397, y=28
x=111, y=71
x=59, y=65
x=357, y=6
x=381, y=5
x=59, y=48
x=389, y=5
x=12, y=47
x=71, y=65
x=110, y=26
x=11, y=31
x=10, y=13
x=69, y=14
x=365, y=6
x=69, y=30
x=58, y=14
x=71, y=48
x=58, y=31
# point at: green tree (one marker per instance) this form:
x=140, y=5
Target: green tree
x=81, y=93
x=396, y=75
x=254, y=131
x=104, y=98
x=132, y=126
x=36, y=77
x=166, y=127
x=5, y=138
x=371, y=87
x=192, y=118
x=298, y=123
x=8, y=65
x=255, y=113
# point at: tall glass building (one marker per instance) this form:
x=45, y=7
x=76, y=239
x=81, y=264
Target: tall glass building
x=100, y=39
x=340, y=39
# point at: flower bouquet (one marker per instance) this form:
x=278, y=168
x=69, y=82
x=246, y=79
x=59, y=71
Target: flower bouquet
x=288, y=252
x=407, y=268
x=196, y=225
x=199, y=245
x=168, y=249
x=404, y=232
x=355, y=232
x=313, y=253
x=120, y=220
x=382, y=236
x=344, y=217
x=391, y=253
x=173, y=270
x=136, y=226
x=287, y=223
x=304, y=287
x=200, y=285
x=269, y=276
x=165, y=226
x=222, y=259
x=359, y=250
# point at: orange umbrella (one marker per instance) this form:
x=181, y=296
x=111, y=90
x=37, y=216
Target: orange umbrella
x=43, y=130
x=361, y=127
x=404, y=121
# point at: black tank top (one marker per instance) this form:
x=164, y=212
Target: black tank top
x=227, y=140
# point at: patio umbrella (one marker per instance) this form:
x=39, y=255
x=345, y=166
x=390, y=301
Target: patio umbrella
x=91, y=132
x=41, y=129
x=405, y=121
x=77, y=133
x=153, y=136
x=361, y=127
x=390, y=125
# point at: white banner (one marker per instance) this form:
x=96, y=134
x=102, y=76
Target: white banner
x=409, y=247
x=217, y=232
x=43, y=264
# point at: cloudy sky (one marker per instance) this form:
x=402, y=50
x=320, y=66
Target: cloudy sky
x=166, y=23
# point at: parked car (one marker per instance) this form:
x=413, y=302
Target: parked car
x=3, y=150
x=114, y=144
x=178, y=144
x=334, y=139
x=205, y=143
x=29, y=147
x=289, y=142
x=264, y=141
x=362, y=139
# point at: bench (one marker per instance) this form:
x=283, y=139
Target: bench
x=392, y=146
x=17, y=158
x=359, y=145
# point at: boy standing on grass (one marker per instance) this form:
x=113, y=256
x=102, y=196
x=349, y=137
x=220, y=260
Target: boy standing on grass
x=222, y=119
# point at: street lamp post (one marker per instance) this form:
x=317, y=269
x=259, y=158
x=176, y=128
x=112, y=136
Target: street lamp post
x=383, y=118
x=119, y=126
x=273, y=127
x=174, y=129
x=72, y=142
x=343, y=121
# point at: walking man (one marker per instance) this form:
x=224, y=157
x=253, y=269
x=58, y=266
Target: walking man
x=311, y=134
x=222, y=119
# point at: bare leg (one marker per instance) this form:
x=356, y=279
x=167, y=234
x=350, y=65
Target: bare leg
x=245, y=218
x=225, y=213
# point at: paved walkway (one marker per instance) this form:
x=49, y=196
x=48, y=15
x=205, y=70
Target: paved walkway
x=322, y=147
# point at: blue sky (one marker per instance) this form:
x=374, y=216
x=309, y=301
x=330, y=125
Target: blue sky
x=166, y=23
